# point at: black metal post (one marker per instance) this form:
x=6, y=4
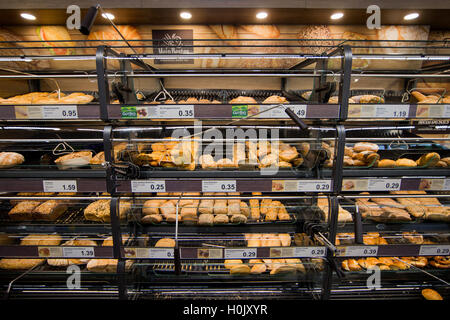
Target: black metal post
x=345, y=81
x=102, y=82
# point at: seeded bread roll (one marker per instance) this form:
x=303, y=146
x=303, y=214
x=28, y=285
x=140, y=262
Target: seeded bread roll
x=244, y=209
x=254, y=209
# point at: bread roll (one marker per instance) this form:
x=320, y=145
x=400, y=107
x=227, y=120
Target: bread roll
x=404, y=162
x=10, y=159
x=238, y=218
x=431, y=294
x=365, y=146
x=265, y=205
x=228, y=264
x=152, y=218
x=23, y=210
x=206, y=206
x=165, y=242
x=270, y=240
x=282, y=269
x=285, y=239
x=206, y=219
x=221, y=219
x=430, y=159
x=168, y=208
x=220, y=207
x=49, y=210
x=234, y=208
x=151, y=206
x=254, y=209
x=258, y=268
x=386, y=163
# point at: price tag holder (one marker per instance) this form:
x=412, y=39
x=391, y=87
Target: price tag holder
x=310, y=252
x=392, y=111
x=447, y=184
x=60, y=186
x=161, y=253
x=78, y=252
x=431, y=250
x=360, y=251
x=218, y=185
x=314, y=185
x=177, y=112
x=148, y=186
x=247, y=253
x=384, y=184
x=60, y=112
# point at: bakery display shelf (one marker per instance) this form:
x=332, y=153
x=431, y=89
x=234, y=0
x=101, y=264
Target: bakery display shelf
x=410, y=291
x=217, y=291
x=50, y=172
x=58, y=185
x=72, y=221
x=229, y=185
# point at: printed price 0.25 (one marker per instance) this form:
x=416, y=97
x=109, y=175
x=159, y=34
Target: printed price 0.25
x=157, y=186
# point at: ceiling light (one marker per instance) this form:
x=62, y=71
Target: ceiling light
x=411, y=16
x=109, y=16
x=28, y=16
x=336, y=16
x=185, y=15
x=261, y=15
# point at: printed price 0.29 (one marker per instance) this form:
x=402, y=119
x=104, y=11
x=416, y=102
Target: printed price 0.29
x=392, y=185
x=322, y=186
x=442, y=251
x=248, y=254
x=318, y=252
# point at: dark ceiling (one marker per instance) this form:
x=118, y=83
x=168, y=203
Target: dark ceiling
x=436, y=18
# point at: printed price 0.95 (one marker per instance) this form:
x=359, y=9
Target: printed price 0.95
x=69, y=113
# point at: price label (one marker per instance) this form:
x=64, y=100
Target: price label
x=177, y=112
x=310, y=252
x=60, y=185
x=219, y=185
x=60, y=112
x=247, y=253
x=314, y=185
x=148, y=186
x=384, y=184
x=360, y=251
x=392, y=111
x=161, y=253
x=447, y=184
x=447, y=111
x=431, y=250
x=78, y=252
x=299, y=110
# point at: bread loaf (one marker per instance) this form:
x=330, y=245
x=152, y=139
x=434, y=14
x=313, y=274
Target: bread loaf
x=10, y=159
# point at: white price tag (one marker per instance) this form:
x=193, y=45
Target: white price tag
x=161, y=253
x=310, y=252
x=431, y=250
x=148, y=186
x=361, y=251
x=78, y=252
x=218, y=185
x=392, y=111
x=60, y=185
x=384, y=184
x=247, y=253
x=299, y=110
x=184, y=111
x=314, y=185
x=60, y=112
x=447, y=184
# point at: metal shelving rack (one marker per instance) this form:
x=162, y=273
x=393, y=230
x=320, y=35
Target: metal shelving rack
x=316, y=114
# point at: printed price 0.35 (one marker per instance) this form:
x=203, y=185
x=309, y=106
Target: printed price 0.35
x=186, y=113
x=228, y=187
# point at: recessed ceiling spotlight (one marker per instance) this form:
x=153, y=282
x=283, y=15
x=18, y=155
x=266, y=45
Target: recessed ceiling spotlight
x=262, y=15
x=411, y=16
x=109, y=16
x=185, y=15
x=336, y=16
x=28, y=16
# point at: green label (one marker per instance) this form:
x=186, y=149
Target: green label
x=128, y=112
x=239, y=111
